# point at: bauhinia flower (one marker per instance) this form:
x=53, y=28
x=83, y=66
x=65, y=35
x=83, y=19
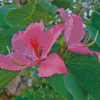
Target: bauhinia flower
x=74, y=33
x=27, y=45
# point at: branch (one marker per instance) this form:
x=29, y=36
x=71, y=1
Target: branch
x=17, y=3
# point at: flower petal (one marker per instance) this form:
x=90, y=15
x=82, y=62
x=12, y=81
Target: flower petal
x=50, y=38
x=77, y=31
x=27, y=43
x=79, y=48
x=52, y=65
x=20, y=47
x=18, y=43
x=63, y=14
x=68, y=30
x=34, y=30
x=24, y=60
x=7, y=63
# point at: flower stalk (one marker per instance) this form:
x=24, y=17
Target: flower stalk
x=62, y=47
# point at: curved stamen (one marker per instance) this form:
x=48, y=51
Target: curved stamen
x=87, y=45
x=21, y=64
x=88, y=39
x=9, y=51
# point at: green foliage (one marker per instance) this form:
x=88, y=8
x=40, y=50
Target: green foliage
x=57, y=81
x=49, y=13
x=40, y=13
x=61, y=3
x=86, y=69
x=48, y=6
x=31, y=12
x=95, y=19
x=75, y=88
x=16, y=16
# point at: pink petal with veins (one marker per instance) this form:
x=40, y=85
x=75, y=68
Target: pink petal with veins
x=68, y=30
x=50, y=38
x=34, y=32
x=21, y=59
x=79, y=48
x=77, y=32
x=20, y=46
x=7, y=63
x=52, y=65
x=18, y=42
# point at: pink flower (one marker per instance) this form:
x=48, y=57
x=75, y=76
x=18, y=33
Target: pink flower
x=74, y=33
x=27, y=45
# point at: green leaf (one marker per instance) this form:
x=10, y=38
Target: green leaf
x=86, y=69
x=5, y=77
x=95, y=19
x=53, y=9
x=48, y=12
x=40, y=9
x=48, y=6
x=57, y=81
x=5, y=38
x=40, y=13
x=38, y=17
x=31, y=12
x=93, y=33
x=74, y=87
x=19, y=15
x=3, y=12
x=61, y=3
x=26, y=22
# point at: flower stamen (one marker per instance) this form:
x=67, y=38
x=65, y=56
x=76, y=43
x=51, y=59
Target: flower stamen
x=86, y=41
x=20, y=64
x=90, y=44
x=9, y=51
